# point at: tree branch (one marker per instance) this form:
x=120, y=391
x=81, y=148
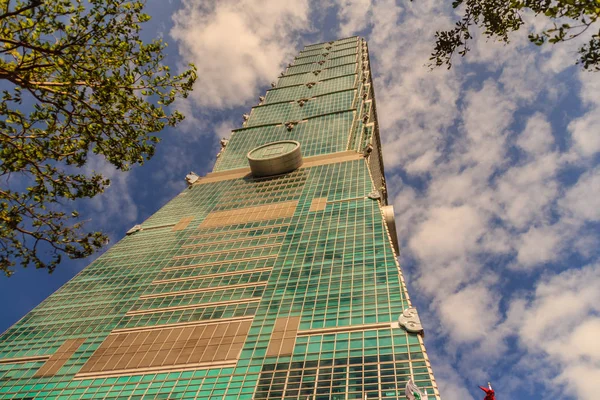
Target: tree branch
x=32, y=4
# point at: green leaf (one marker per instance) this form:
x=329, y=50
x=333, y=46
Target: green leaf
x=83, y=64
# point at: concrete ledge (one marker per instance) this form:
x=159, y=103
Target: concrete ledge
x=309, y=162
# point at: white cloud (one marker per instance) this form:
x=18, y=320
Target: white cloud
x=537, y=136
x=455, y=188
x=469, y=313
x=488, y=112
x=525, y=192
x=446, y=245
x=423, y=163
x=561, y=325
x=237, y=45
x=560, y=303
x=448, y=232
x=486, y=117
x=584, y=130
x=414, y=104
x=582, y=380
x=193, y=125
x=582, y=201
x=583, y=342
x=538, y=245
x=223, y=129
x=116, y=203
x=585, y=133
x=450, y=383
x=586, y=244
x=353, y=15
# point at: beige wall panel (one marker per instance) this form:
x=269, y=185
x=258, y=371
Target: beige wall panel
x=274, y=348
x=169, y=347
x=182, y=224
x=325, y=159
x=249, y=214
x=287, y=346
x=283, y=337
x=318, y=204
x=58, y=359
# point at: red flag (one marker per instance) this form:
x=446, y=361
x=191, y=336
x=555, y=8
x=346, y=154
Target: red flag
x=489, y=392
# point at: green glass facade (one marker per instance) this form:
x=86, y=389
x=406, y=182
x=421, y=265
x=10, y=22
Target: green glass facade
x=241, y=287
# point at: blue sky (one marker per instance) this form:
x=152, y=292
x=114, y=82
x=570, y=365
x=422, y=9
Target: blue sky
x=492, y=167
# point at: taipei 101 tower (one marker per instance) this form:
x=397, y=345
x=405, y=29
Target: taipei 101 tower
x=273, y=277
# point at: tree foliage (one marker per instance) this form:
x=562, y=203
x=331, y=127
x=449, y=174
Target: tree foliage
x=75, y=79
x=498, y=18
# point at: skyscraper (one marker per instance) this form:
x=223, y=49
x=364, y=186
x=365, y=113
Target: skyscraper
x=275, y=276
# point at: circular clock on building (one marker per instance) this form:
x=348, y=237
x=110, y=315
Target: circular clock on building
x=275, y=158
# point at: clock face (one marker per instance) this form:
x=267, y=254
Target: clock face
x=275, y=158
x=273, y=150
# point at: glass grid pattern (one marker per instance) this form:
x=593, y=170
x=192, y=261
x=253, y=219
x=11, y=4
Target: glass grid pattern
x=327, y=49
x=308, y=53
x=209, y=282
x=320, y=135
x=292, y=111
x=340, y=42
x=302, y=68
x=375, y=363
x=310, y=59
x=303, y=91
x=332, y=268
x=330, y=62
x=344, y=52
x=219, y=268
x=343, y=47
x=307, y=77
x=357, y=142
x=217, y=248
x=205, y=297
x=326, y=56
x=200, y=313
